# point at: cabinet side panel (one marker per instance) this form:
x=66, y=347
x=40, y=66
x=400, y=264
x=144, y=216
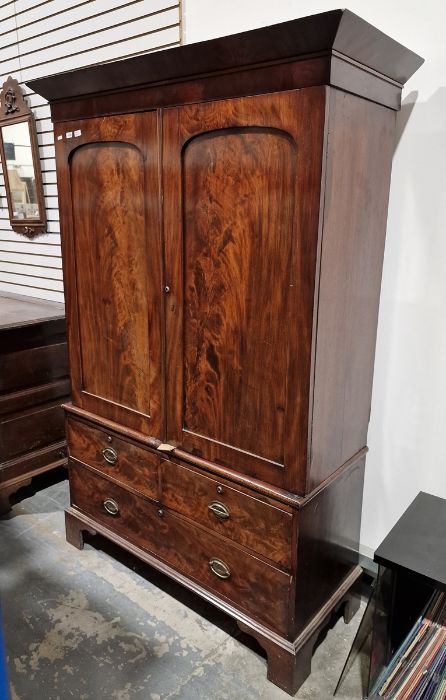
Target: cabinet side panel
x=359, y=157
x=328, y=542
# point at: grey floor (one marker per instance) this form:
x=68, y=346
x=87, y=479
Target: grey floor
x=98, y=624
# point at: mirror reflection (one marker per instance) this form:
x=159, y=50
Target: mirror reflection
x=20, y=167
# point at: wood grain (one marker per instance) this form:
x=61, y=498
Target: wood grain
x=109, y=172
x=253, y=585
x=236, y=250
x=241, y=298
x=359, y=159
x=264, y=528
x=261, y=215
x=135, y=467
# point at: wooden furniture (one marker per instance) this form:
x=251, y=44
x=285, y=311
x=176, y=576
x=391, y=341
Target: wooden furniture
x=412, y=565
x=223, y=210
x=33, y=384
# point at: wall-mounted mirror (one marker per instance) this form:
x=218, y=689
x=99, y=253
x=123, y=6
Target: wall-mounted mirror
x=20, y=162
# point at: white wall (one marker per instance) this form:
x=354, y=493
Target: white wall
x=407, y=446
x=40, y=38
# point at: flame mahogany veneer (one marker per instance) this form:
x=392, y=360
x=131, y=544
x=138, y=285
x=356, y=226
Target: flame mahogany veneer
x=223, y=213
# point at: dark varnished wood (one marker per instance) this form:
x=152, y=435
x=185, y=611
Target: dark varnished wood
x=232, y=297
x=110, y=174
x=261, y=487
x=254, y=585
x=33, y=385
x=35, y=395
x=33, y=350
x=235, y=358
x=31, y=429
x=289, y=662
x=135, y=467
x=18, y=469
x=260, y=526
x=296, y=74
x=247, y=176
x=357, y=181
x=220, y=68
x=31, y=366
x=328, y=543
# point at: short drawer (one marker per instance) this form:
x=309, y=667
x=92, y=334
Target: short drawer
x=227, y=570
x=113, y=456
x=253, y=523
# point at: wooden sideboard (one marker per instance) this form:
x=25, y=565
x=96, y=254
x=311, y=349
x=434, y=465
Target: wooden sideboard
x=34, y=383
x=223, y=215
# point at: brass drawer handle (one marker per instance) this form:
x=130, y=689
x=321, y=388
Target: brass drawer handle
x=219, y=510
x=111, y=506
x=219, y=568
x=110, y=455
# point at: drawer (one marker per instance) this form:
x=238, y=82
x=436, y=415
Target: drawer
x=32, y=366
x=113, y=456
x=30, y=430
x=245, y=519
x=252, y=585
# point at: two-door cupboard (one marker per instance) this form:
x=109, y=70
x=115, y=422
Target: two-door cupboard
x=223, y=211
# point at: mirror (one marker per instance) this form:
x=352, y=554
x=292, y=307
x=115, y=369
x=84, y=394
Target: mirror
x=20, y=171
x=20, y=162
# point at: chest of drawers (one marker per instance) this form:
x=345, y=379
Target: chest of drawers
x=34, y=383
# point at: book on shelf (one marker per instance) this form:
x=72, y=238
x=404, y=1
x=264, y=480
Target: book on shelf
x=417, y=671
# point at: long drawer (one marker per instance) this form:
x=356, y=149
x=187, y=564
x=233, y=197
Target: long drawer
x=30, y=430
x=32, y=366
x=250, y=584
x=129, y=464
x=256, y=524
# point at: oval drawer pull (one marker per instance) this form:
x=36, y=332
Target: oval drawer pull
x=219, y=568
x=219, y=510
x=111, y=506
x=110, y=455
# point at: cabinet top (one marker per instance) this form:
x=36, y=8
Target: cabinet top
x=17, y=310
x=318, y=40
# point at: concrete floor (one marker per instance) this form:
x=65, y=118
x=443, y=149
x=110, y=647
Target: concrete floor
x=98, y=624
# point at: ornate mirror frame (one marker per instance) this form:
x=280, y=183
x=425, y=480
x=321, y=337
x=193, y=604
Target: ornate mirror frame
x=14, y=110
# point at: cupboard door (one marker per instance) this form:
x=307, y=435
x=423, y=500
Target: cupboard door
x=108, y=174
x=241, y=206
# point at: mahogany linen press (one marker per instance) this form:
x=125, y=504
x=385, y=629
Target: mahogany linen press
x=223, y=213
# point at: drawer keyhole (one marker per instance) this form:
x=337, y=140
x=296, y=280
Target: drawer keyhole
x=219, y=510
x=110, y=455
x=219, y=568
